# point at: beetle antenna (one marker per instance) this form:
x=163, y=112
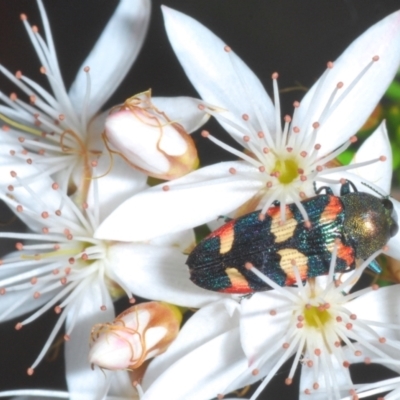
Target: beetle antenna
x=315, y=187
x=375, y=190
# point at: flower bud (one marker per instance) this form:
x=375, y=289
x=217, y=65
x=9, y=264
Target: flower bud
x=149, y=141
x=139, y=333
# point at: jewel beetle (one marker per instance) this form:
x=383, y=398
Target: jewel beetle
x=357, y=222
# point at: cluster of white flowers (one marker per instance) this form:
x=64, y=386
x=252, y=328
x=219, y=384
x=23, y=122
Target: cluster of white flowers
x=78, y=180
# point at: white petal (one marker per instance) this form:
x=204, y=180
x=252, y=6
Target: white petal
x=183, y=240
x=158, y=273
x=85, y=312
x=116, y=186
x=383, y=40
x=203, y=373
x=183, y=110
x=35, y=394
x=197, y=331
x=255, y=313
x=10, y=163
x=10, y=298
x=33, y=190
x=339, y=373
x=380, y=306
x=221, y=78
x=112, y=55
x=362, y=184
x=192, y=200
x=391, y=351
x=10, y=302
x=95, y=129
x=376, y=145
x=116, y=181
x=121, y=386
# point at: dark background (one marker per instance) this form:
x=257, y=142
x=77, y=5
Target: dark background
x=294, y=37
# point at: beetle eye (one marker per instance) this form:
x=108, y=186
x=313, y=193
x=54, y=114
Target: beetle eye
x=387, y=204
x=394, y=229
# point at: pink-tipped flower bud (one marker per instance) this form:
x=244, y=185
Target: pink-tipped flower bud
x=149, y=141
x=139, y=333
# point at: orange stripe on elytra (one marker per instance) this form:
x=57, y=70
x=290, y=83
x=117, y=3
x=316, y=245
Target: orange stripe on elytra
x=286, y=264
x=332, y=209
x=220, y=231
x=282, y=230
x=346, y=253
x=275, y=212
x=291, y=277
x=239, y=283
x=226, y=235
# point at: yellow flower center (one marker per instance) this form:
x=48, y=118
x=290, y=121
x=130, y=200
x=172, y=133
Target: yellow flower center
x=286, y=170
x=316, y=317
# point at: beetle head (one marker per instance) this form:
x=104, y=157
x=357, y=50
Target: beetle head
x=369, y=222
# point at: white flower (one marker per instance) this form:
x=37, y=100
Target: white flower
x=392, y=361
x=312, y=322
x=203, y=358
x=62, y=266
x=278, y=163
x=60, y=131
x=389, y=356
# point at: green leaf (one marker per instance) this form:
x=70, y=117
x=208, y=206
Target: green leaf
x=393, y=91
x=201, y=232
x=346, y=157
x=396, y=159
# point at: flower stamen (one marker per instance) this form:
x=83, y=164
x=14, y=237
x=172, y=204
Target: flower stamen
x=318, y=323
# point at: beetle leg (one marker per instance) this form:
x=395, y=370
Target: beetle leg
x=327, y=189
x=245, y=296
x=345, y=189
x=375, y=267
x=225, y=218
